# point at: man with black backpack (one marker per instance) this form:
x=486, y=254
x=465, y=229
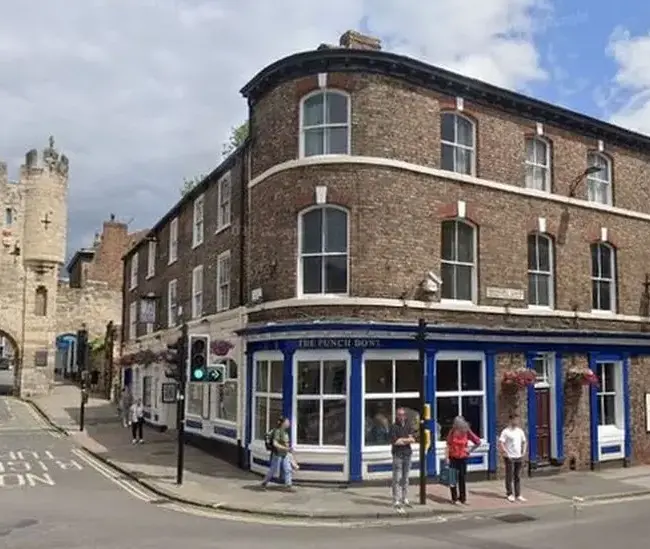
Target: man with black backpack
x=277, y=442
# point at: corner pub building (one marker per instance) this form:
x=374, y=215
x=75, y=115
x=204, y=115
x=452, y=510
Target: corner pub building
x=382, y=190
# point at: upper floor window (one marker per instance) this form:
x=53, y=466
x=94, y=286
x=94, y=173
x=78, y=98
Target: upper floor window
x=457, y=143
x=135, y=261
x=133, y=320
x=323, y=241
x=40, y=301
x=223, y=281
x=540, y=270
x=172, y=303
x=173, y=240
x=325, y=123
x=599, y=183
x=9, y=217
x=538, y=164
x=223, y=202
x=151, y=258
x=197, y=226
x=458, y=260
x=197, y=292
x=603, y=277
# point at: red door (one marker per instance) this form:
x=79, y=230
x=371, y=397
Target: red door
x=543, y=398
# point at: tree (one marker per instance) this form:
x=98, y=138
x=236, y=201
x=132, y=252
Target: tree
x=238, y=135
x=189, y=184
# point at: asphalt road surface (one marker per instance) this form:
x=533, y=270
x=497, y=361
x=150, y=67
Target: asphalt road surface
x=54, y=496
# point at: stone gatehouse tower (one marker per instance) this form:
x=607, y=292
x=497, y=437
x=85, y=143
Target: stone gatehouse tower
x=32, y=250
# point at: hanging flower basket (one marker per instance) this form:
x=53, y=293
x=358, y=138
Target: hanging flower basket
x=582, y=377
x=519, y=379
x=220, y=347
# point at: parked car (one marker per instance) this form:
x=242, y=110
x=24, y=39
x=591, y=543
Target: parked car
x=6, y=376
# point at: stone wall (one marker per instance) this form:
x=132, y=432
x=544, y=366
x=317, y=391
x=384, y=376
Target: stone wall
x=95, y=305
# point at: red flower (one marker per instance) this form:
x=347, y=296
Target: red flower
x=520, y=378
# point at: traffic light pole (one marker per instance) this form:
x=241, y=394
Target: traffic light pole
x=180, y=405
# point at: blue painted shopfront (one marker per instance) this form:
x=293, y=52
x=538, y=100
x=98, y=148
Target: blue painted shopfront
x=284, y=345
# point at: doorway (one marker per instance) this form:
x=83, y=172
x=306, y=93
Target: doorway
x=543, y=404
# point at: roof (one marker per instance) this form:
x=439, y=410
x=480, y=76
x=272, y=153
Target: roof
x=82, y=253
x=439, y=80
x=199, y=188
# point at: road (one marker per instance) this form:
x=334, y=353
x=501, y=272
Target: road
x=53, y=495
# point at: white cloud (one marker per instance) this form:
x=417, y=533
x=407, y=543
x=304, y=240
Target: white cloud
x=630, y=95
x=140, y=93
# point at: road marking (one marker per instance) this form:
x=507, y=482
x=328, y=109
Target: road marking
x=113, y=476
x=42, y=423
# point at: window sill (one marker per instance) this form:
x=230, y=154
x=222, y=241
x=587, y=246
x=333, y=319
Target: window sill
x=196, y=244
x=324, y=155
x=222, y=228
x=222, y=309
x=172, y=261
x=321, y=296
x=457, y=303
x=602, y=312
x=150, y=276
x=610, y=432
x=541, y=307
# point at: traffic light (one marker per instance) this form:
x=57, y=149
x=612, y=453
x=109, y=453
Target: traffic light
x=177, y=357
x=217, y=373
x=199, y=345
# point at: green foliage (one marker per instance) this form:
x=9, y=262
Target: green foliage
x=238, y=135
x=189, y=184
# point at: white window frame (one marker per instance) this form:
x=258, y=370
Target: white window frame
x=224, y=268
x=452, y=355
x=473, y=265
x=173, y=240
x=135, y=264
x=550, y=274
x=198, y=221
x=197, y=293
x=535, y=164
x=224, y=201
x=172, y=304
x=394, y=356
x=599, y=179
x=300, y=289
x=325, y=126
x=321, y=356
x=267, y=395
x=619, y=424
x=133, y=320
x=149, y=327
x=151, y=258
x=455, y=145
x=547, y=361
x=612, y=281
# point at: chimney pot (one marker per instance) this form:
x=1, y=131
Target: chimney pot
x=357, y=41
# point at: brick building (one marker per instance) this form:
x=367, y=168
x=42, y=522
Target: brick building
x=375, y=190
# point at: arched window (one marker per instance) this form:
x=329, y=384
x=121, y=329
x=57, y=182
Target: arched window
x=540, y=270
x=325, y=123
x=458, y=260
x=538, y=164
x=603, y=277
x=40, y=301
x=457, y=143
x=599, y=184
x=323, y=241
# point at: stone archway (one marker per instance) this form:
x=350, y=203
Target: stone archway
x=9, y=361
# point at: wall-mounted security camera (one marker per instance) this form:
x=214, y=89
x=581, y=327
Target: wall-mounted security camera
x=431, y=284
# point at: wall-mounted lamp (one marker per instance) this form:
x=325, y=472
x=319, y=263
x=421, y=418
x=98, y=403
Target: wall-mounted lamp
x=591, y=170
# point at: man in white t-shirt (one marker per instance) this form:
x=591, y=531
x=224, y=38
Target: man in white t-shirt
x=513, y=447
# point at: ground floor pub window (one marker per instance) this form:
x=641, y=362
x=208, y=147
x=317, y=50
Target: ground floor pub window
x=146, y=391
x=389, y=385
x=267, y=403
x=321, y=402
x=608, y=406
x=460, y=390
x=195, y=399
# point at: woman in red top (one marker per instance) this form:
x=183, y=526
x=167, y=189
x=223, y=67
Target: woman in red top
x=458, y=451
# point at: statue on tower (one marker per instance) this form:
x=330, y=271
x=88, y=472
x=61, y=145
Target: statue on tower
x=50, y=156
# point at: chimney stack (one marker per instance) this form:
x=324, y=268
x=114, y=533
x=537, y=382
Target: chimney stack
x=356, y=41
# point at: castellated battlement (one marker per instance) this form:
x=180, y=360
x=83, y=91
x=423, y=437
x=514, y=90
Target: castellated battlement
x=50, y=161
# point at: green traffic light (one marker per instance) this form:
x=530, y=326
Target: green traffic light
x=198, y=374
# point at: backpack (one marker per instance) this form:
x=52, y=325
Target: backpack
x=268, y=440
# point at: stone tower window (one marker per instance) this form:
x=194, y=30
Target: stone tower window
x=40, y=303
x=9, y=217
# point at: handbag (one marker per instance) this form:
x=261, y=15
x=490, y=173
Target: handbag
x=447, y=476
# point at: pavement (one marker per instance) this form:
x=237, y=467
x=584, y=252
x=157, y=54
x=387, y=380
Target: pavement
x=213, y=484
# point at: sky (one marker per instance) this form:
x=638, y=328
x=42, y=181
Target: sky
x=140, y=94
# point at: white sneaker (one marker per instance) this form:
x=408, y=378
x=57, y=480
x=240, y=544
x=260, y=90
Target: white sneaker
x=522, y=499
x=511, y=499
x=133, y=441
x=406, y=503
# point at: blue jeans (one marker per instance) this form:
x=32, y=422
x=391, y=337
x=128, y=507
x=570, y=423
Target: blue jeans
x=274, y=469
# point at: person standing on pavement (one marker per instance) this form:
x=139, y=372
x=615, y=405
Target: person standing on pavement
x=124, y=406
x=281, y=458
x=137, y=421
x=458, y=450
x=512, y=442
x=401, y=437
